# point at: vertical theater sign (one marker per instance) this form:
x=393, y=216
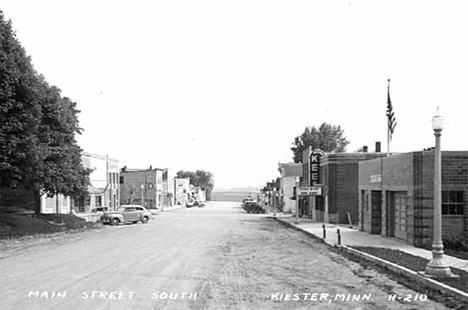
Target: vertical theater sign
x=314, y=160
x=314, y=188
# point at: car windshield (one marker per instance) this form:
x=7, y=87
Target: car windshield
x=121, y=209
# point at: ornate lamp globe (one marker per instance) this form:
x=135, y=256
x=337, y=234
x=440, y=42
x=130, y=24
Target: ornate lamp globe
x=438, y=121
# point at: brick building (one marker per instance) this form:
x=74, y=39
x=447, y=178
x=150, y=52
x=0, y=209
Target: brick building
x=339, y=202
x=339, y=179
x=142, y=186
x=396, y=196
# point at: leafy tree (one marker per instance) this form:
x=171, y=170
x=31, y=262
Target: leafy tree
x=61, y=168
x=38, y=149
x=19, y=109
x=200, y=178
x=327, y=137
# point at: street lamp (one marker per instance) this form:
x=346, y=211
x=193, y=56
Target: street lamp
x=297, y=201
x=274, y=201
x=436, y=266
x=269, y=201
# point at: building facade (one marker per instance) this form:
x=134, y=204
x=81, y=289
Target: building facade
x=181, y=190
x=57, y=204
x=337, y=174
x=396, y=196
x=288, y=174
x=167, y=197
x=142, y=186
x=339, y=202
x=103, y=192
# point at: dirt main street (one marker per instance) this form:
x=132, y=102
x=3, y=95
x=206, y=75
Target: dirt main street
x=217, y=257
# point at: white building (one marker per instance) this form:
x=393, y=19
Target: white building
x=181, y=190
x=104, y=188
x=57, y=204
x=288, y=173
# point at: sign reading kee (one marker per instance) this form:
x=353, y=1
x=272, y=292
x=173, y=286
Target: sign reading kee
x=314, y=163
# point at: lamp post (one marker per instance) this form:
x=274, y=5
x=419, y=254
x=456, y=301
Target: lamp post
x=269, y=201
x=274, y=201
x=142, y=195
x=436, y=266
x=297, y=201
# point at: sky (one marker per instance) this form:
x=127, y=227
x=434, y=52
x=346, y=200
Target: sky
x=225, y=86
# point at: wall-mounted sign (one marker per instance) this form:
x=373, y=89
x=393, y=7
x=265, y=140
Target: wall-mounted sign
x=376, y=178
x=310, y=191
x=314, y=166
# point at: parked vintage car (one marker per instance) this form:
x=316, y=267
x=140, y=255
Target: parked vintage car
x=253, y=207
x=100, y=210
x=245, y=201
x=199, y=204
x=126, y=214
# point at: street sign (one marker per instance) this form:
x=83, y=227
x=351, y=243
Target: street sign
x=310, y=191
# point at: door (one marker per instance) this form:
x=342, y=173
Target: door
x=130, y=214
x=376, y=207
x=399, y=202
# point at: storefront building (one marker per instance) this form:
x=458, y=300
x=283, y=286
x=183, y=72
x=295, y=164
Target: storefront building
x=396, y=196
x=288, y=173
x=142, y=187
x=338, y=175
x=103, y=191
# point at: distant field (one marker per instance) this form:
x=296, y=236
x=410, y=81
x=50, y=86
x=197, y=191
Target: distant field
x=232, y=195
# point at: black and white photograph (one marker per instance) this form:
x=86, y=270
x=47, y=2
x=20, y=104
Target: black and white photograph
x=210, y=155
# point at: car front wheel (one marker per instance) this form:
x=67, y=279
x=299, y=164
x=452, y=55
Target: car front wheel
x=115, y=221
x=145, y=220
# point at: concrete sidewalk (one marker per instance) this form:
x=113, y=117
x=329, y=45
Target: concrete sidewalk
x=353, y=237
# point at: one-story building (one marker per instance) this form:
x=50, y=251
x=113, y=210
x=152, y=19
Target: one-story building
x=338, y=176
x=396, y=196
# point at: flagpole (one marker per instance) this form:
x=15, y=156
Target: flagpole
x=388, y=140
x=389, y=122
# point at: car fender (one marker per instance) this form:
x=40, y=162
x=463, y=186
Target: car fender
x=119, y=216
x=149, y=216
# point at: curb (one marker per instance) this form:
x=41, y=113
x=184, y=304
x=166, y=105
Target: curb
x=400, y=270
x=408, y=273
x=289, y=225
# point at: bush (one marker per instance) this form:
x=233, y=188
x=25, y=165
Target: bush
x=15, y=225
x=455, y=243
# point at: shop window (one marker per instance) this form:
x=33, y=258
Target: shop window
x=121, y=179
x=98, y=201
x=452, y=202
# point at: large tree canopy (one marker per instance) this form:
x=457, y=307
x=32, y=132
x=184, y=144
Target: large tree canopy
x=327, y=137
x=38, y=149
x=200, y=178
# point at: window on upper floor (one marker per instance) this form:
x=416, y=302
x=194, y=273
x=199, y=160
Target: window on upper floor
x=452, y=202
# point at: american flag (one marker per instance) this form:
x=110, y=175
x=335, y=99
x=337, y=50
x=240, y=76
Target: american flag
x=390, y=114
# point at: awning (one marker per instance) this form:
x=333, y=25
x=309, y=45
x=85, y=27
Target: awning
x=95, y=190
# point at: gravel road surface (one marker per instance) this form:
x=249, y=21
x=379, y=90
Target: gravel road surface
x=216, y=257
